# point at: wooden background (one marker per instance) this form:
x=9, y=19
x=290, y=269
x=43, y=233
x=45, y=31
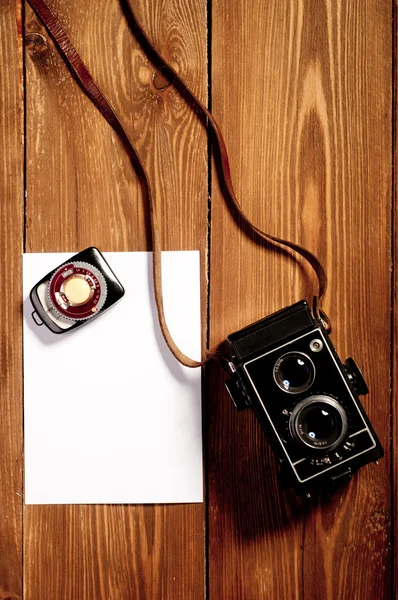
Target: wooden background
x=304, y=92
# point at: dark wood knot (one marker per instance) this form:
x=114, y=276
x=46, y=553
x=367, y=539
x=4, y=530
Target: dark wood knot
x=161, y=79
x=36, y=43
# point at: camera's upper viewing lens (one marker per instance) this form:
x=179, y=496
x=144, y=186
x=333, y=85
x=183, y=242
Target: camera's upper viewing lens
x=294, y=372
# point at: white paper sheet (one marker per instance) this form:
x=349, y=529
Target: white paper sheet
x=110, y=415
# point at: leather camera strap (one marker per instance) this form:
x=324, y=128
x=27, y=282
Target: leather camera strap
x=93, y=91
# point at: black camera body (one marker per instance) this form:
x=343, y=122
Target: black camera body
x=286, y=368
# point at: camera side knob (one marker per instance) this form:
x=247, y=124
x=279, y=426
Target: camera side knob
x=355, y=376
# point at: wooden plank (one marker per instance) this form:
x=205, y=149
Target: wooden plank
x=81, y=190
x=303, y=94
x=11, y=246
x=394, y=341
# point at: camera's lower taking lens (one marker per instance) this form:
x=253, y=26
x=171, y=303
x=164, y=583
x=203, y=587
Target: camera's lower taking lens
x=294, y=372
x=320, y=424
x=319, y=421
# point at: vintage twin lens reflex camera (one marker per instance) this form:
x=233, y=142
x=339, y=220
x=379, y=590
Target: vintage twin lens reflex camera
x=287, y=369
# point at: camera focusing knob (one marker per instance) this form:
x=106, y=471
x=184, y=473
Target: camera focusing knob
x=355, y=377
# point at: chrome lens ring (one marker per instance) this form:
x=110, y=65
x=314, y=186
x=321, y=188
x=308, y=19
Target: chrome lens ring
x=294, y=372
x=320, y=422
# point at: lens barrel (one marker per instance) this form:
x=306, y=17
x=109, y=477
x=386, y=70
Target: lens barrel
x=319, y=422
x=294, y=372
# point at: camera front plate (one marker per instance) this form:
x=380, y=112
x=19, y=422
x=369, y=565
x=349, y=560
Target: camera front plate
x=275, y=405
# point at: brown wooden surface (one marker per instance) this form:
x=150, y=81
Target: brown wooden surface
x=304, y=94
x=394, y=345
x=11, y=240
x=91, y=196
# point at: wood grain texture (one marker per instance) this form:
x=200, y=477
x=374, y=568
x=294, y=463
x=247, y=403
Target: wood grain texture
x=11, y=244
x=303, y=93
x=81, y=191
x=394, y=345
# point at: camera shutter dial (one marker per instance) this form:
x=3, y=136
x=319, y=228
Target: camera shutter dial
x=319, y=422
x=77, y=291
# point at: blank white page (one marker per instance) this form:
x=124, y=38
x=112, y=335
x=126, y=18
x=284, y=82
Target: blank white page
x=110, y=415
